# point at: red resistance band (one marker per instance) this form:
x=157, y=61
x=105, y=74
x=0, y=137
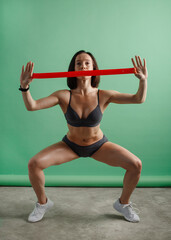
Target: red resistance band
x=84, y=73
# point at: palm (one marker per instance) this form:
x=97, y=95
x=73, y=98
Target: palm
x=141, y=71
x=26, y=75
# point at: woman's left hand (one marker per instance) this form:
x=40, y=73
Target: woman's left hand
x=141, y=71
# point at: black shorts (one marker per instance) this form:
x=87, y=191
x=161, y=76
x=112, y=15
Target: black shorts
x=85, y=151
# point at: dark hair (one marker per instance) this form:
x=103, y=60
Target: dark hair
x=72, y=81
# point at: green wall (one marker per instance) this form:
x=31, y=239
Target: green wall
x=49, y=33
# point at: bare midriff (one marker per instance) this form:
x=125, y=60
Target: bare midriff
x=84, y=136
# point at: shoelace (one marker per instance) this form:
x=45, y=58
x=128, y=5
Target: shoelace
x=132, y=208
x=37, y=210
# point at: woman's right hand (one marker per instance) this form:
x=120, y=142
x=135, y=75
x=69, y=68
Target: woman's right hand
x=26, y=76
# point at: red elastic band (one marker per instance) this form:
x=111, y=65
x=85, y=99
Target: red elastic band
x=84, y=73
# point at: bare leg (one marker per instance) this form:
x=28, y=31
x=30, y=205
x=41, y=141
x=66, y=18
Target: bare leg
x=130, y=181
x=37, y=180
x=55, y=154
x=115, y=155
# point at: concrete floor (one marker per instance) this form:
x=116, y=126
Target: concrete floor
x=82, y=213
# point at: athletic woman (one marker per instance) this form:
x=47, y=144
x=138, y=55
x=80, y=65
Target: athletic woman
x=83, y=107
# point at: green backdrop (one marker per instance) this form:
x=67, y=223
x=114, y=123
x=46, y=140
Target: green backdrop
x=49, y=33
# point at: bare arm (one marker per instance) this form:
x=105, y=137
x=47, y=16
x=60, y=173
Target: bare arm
x=30, y=103
x=121, y=98
x=42, y=103
x=47, y=102
x=142, y=75
x=25, y=80
x=140, y=96
x=142, y=91
x=28, y=100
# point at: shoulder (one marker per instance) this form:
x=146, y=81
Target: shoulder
x=61, y=92
x=106, y=94
x=62, y=95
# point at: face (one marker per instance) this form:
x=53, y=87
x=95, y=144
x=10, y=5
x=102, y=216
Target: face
x=83, y=62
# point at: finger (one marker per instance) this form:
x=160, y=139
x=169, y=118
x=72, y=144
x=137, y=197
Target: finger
x=27, y=67
x=133, y=62
x=137, y=61
x=22, y=71
x=140, y=61
x=32, y=66
x=144, y=63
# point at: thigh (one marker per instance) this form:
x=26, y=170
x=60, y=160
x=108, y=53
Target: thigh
x=115, y=155
x=55, y=154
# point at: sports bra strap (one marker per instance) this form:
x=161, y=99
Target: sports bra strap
x=98, y=96
x=70, y=97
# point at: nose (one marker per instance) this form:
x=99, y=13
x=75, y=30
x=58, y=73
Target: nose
x=83, y=67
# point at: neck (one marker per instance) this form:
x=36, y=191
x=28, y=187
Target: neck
x=84, y=86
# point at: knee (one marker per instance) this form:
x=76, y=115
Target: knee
x=33, y=163
x=136, y=165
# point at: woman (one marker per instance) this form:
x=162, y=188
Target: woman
x=83, y=107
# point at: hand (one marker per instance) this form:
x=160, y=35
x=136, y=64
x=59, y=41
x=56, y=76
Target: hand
x=26, y=76
x=141, y=71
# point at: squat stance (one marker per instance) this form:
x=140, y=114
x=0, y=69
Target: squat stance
x=83, y=107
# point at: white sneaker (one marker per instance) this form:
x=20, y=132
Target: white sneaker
x=127, y=210
x=40, y=210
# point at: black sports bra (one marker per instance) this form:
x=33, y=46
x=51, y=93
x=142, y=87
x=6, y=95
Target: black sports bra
x=93, y=119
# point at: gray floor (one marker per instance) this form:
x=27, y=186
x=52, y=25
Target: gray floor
x=85, y=213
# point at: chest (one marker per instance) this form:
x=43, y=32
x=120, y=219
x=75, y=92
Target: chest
x=83, y=106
